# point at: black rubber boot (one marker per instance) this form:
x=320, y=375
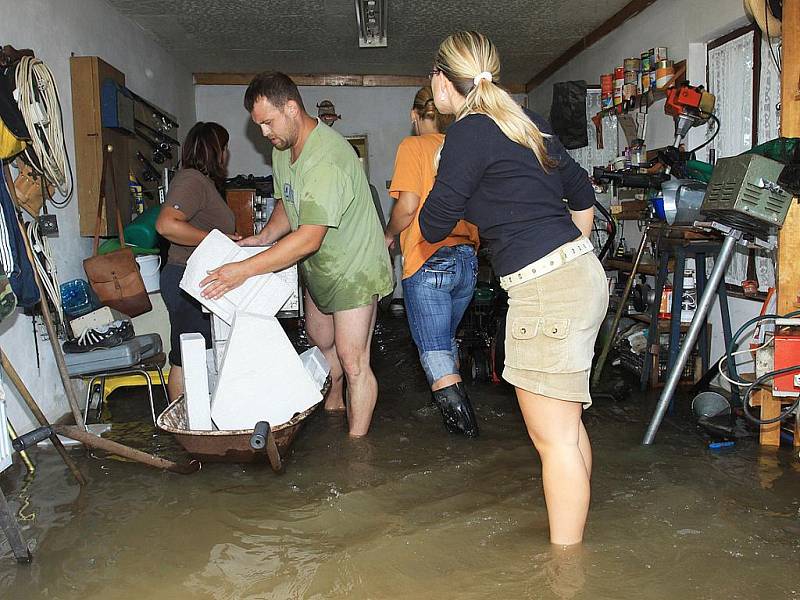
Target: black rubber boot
x=456, y=410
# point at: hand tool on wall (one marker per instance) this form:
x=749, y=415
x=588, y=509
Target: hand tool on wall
x=149, y=172
x=161, y=150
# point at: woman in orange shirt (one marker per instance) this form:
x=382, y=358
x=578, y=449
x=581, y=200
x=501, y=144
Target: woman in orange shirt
x=438, y=279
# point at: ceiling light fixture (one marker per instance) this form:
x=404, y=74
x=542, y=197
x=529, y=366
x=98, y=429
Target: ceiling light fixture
x=372, y=20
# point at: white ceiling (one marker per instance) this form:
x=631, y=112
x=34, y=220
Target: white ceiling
x=320, y=36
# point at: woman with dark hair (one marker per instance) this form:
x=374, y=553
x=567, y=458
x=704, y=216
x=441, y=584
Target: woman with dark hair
x=193, y=207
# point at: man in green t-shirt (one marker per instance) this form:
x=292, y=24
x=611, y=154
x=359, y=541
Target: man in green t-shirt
x=325, y=220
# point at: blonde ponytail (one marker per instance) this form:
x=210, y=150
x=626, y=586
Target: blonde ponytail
x=471, y=62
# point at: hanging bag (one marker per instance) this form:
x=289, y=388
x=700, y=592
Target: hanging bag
x=115, y=276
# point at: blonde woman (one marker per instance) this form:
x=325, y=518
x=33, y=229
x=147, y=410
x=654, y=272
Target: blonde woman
x=438, y=279
x=502, y=170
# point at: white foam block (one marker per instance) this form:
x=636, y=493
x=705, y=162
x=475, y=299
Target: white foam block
x=261, y=377
x=288, y=275
x=316, y=365
x=195, y=381
x=262, y=294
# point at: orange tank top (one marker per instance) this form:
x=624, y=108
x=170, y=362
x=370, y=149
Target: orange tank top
x=414, y=172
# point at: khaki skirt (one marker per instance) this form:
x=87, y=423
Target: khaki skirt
x=551, y=328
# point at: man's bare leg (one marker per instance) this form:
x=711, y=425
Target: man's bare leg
x=319, y=328
x=353, y=336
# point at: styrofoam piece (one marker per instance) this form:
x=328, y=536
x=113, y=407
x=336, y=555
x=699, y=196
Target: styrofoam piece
x=288, y=275
x=220, y=332
x=316, y=365
x=261, y=378
x=5, y=439
x=262, y=294
x=195, y=381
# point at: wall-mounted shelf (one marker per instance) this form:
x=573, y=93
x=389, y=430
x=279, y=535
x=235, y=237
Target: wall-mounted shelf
x=91, y=138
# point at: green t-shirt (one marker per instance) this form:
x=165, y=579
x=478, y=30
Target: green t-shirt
x=327, y=185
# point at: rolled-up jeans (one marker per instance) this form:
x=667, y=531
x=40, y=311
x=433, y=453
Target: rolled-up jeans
x=436, y=297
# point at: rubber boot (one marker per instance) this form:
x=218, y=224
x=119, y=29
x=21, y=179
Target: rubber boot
x=456, y=410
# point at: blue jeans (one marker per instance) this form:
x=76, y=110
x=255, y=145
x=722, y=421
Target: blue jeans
x=436, y=297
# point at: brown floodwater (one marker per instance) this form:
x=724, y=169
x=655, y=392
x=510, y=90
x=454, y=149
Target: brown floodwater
x=411, y=512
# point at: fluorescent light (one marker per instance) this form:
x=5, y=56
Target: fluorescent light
x=372, y=20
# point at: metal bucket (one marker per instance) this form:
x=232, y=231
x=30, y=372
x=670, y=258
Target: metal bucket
x=710, y=404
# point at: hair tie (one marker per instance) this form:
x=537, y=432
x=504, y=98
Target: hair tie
x=482, y=75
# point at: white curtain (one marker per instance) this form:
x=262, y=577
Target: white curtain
x=730, y=78
x=769, y=93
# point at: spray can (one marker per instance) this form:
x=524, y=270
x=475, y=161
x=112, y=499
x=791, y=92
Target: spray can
x=619, y=83
x=607, y=91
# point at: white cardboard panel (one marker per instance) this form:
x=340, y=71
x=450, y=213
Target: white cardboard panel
x=261, y=377
x=262, y=294
x=195, y=381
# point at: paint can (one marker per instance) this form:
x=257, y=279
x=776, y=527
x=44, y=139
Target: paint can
x=645, y=62
x=664, y=72
x=619, y=83
x=631, y=64
x=645, y=81
x=629, y=90
x=631, y=77
x=659, y=54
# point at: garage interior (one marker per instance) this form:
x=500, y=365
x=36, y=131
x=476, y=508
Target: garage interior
x=688, y=124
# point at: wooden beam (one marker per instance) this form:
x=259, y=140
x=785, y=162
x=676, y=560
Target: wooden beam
x=631, y=9
x=789, y=236
x=335, y=80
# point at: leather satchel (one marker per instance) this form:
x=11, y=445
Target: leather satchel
x=115, y=276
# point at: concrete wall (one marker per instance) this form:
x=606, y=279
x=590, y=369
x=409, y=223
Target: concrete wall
x=684, y=27
x=55, y=30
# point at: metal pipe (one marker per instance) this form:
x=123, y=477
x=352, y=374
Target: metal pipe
x=601, y=360
x=698, y=322
x=23, y=454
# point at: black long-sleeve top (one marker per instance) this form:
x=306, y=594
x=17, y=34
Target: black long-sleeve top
x=499, y=186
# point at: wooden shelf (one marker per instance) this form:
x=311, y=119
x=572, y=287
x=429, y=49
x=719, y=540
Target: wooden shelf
x=650, y=97
x=614, y=264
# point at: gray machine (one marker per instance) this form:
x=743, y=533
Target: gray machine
x=743, y=199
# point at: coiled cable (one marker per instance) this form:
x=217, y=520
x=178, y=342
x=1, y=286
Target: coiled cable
x=40, y=106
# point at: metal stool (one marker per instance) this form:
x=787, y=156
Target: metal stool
x=155, y=363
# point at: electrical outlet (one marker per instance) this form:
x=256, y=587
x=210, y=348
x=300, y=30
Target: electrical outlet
x=48, y=224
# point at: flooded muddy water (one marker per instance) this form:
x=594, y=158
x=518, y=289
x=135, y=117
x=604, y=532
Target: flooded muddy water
x=411, y=512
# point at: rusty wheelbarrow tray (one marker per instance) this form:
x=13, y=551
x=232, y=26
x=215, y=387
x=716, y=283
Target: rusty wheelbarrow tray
x=234, y=445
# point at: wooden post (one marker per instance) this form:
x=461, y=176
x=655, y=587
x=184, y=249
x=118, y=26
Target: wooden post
x=789, y=237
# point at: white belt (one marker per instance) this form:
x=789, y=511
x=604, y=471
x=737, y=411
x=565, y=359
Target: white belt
x=557, y=258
